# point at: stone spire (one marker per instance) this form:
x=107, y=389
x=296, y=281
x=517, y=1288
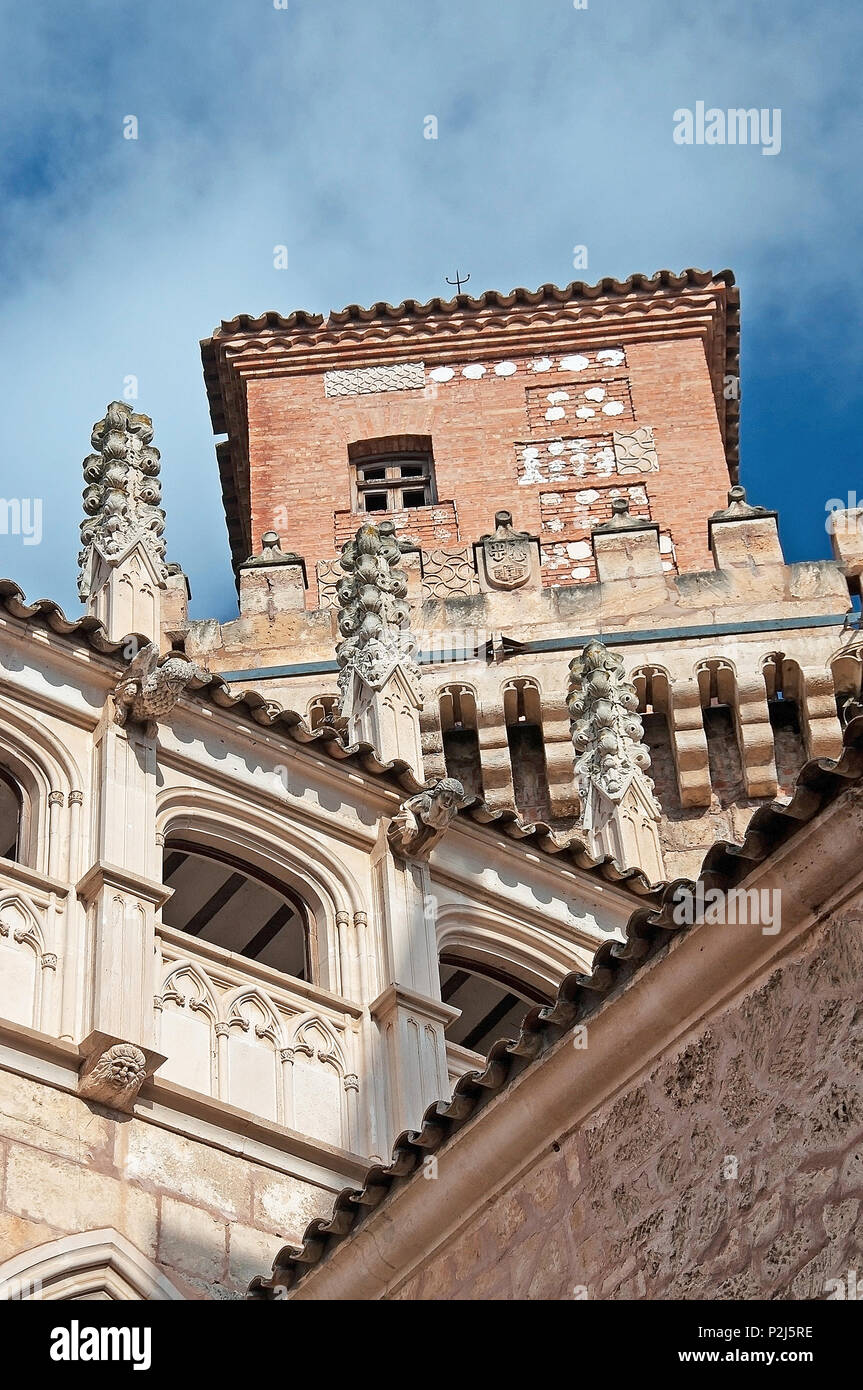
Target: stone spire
x=123, y=556
x=379, y=681
x=620, y=811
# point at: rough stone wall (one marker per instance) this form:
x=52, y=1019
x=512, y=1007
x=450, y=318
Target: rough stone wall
x=789, y=749
x=210, y=1219
x=643, y=1201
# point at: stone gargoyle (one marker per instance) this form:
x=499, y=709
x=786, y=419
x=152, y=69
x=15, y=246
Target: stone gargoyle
x=151, y=686
x=423, y=819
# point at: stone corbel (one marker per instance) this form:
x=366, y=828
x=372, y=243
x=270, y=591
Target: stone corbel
x=114, y=1070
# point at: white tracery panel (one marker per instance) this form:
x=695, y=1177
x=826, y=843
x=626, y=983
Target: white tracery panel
x=252, y=1037
x=261, y=1050
x=317, y=1083
x=186, y=1036
x=21, y=960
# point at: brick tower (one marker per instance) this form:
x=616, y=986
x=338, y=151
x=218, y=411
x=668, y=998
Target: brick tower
x=546, y=404
x=555, y=467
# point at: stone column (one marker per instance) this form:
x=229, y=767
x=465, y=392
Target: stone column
x=122, y=888
x=410, y=1016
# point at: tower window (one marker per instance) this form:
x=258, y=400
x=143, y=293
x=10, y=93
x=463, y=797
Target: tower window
x=391, y=475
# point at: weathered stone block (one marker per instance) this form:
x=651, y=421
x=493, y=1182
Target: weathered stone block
x=175, y=1164
x=72, y=1197
x=191, y=1240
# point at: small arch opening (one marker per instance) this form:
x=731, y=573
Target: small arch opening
x=782, y=681
x=653, y=691
x=323, y=712
x=718, y=690
x=460, y=737
x=493, y=1003
x=523, y=716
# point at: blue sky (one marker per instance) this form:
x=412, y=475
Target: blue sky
x=304, y=127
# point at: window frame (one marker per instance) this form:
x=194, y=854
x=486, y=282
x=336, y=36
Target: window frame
x=391, y=463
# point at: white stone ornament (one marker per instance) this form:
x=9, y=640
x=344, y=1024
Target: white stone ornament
x=620, y=811
x=422, y=820
x=122, y=495
x=380, y=688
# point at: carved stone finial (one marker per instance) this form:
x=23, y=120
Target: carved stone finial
x=123, y=493
x=738, y=508
x=271, y=553
x=422, y=820
x=619, y=808
x=115, y=1076
x=621, y=520
x=151, y=686
x=374, y=617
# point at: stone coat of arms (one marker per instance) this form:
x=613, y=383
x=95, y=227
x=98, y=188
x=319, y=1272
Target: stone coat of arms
x=507, y=554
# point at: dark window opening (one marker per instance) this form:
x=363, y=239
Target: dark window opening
x=788, y=746
x=723, y=753
x=529, y=774
x=403, y=464
x=461, y=754
x=492, y=1006
x=523, y=714
x=657, y=737
x=10, y=818
x=217, y=900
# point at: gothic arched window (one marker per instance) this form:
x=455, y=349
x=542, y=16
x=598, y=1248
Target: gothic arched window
x=10, y=816
x=492, y=1002
x=217, y=899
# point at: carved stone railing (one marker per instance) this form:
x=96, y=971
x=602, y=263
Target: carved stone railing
x=254, y=1038
x=32, y=933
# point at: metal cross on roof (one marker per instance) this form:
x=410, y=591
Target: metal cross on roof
x=458, y=282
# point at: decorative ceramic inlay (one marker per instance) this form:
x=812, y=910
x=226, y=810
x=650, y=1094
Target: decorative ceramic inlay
x=366, y=381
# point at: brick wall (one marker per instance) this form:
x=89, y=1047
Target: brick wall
x=643, y=1201
x=482, y=417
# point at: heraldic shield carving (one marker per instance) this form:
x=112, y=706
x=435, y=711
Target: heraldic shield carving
x=507, y=554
